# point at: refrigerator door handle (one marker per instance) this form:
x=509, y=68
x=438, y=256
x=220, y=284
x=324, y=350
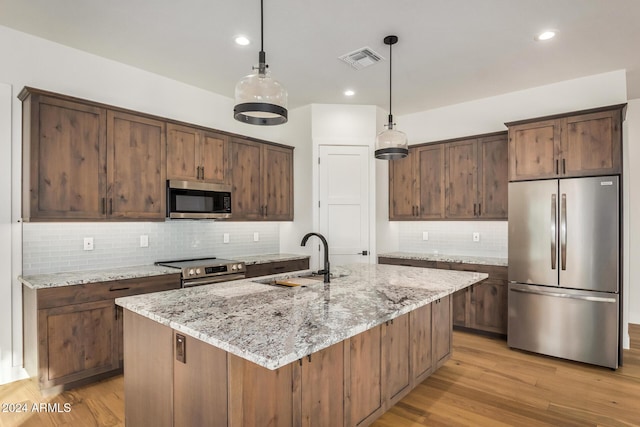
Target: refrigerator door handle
x=553, y=231
x=561, y=295
x=563, y=231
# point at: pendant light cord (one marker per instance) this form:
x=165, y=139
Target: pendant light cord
x=390, y=71
x=262, y=57
x=261, y=25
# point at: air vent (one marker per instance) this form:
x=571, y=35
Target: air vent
x=361, y=58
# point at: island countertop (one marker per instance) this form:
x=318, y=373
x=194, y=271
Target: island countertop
x=273, y=326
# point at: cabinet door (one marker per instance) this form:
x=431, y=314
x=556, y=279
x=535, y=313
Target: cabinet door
x=79, y=342
x=534, y=150
x=199, y=383
x=323, y=387
x=365, y=376
x=214, y=158
x=246, y=180
x=403, y=201
x=461, y=179
x=421, y=349
x=278, y=183
x=136, y=166
x=489, y=306
x=431, y=182
x=182, y=152
x=396, y=359
x=66, y=148
x=493, y=177
x=441, y=323
x=460, y=306
x=592, y=144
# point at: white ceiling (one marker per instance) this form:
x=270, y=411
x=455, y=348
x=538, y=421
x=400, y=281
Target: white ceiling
x=449, y=51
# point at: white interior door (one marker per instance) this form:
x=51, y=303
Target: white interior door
x=344, y=202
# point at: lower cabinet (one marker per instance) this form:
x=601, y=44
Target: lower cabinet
x=176, y=380
x=73, y=334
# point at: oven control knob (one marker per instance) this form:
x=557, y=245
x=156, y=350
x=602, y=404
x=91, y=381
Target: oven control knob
x=191, y=272
x=239, y=266
x=234, y=267
x=198, y=271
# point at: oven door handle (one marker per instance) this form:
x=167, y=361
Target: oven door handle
x=213, y=279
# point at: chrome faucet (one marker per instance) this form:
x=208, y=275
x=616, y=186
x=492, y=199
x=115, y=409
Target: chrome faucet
x=326, y=272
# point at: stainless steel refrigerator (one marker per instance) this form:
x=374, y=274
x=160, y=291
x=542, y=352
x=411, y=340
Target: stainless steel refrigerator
x=564, y=268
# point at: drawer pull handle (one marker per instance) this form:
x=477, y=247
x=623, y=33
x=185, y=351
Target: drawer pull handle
x=281, y=267
x=119, y=289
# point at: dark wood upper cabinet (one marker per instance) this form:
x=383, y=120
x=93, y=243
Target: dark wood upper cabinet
x=585, y=143
x=262, y=181
x=64, y=159
x=197, y=155
x=416, y=184
x=461, y=173
x=493, y=173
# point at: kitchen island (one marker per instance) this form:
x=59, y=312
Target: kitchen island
x=249, y=353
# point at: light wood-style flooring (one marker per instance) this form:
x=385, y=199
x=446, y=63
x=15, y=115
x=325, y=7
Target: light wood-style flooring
x=484, y=384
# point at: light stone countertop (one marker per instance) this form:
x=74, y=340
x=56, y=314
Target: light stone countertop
x=263, y=259
x=464, y=259
x=273, y=326
x=41, y=281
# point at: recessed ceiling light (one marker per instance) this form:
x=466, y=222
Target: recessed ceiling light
x=242, y=40
x=349, y=92
x=545, y=35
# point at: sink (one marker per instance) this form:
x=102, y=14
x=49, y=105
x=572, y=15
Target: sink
x=302, y=281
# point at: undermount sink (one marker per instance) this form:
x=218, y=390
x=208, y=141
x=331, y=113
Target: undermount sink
x=310, y=279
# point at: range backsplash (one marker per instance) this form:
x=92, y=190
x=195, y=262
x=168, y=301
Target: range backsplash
x=455, y=237
x=57, y=247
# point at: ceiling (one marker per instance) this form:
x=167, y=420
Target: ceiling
x=449, y=51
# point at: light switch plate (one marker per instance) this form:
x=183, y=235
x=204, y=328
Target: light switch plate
x=225, y=238
x=88, y=243
x=476, y=236
x=144, y=241
x=256, y=236
x=425, y=235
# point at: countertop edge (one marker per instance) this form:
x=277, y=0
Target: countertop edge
x=461, y=259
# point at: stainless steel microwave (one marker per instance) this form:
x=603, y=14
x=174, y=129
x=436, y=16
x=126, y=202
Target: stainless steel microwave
x=198, y=200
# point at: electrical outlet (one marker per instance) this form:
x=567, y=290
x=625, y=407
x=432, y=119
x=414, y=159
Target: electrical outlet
x=144, y=241
x=256, y=236
x=476, y=236
x=225, y=238
x=88, y=243
x=425, y=235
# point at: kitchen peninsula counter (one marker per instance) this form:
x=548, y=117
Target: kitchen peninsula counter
x=462, y=259
x=256, y=353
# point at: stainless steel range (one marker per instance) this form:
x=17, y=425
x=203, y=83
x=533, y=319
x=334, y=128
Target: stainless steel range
x=204, y=271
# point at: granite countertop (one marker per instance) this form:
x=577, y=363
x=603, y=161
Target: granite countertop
x=274, y=326
x=262, y=259
x=41, y=281
x=464, y=259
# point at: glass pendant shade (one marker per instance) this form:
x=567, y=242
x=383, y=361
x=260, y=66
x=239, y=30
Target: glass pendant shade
x=391, y=144
x=260, y=100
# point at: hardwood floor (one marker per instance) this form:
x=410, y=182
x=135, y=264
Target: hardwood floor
x=484, y=384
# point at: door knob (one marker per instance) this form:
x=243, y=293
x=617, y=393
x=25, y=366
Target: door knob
x=363, y=253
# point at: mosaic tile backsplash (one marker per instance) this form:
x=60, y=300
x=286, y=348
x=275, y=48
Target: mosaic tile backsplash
x=58, y=247
x=455, y=237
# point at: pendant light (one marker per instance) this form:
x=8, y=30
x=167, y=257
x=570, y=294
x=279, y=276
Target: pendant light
x=391, y=144
x=260, y=100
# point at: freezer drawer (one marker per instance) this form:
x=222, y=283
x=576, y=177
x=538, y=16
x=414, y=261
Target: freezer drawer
x=575, y=325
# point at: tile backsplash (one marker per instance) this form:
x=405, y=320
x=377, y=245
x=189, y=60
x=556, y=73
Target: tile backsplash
x=455, y=237
x=57, y=247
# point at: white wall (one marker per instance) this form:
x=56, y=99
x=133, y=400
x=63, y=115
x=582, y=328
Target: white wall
x=31, y=61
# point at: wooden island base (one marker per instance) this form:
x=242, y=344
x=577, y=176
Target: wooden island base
x=176, y=380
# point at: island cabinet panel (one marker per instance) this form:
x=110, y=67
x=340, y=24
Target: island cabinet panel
x=421, y=349
x=322, y=379
x=259, y=396
x=136, y=149
x=64, y=156
x=194, y=154
x=199, y=383
x=583, y=143
x=267, y=268
x=363, y=378
x=441, y=323
x=262, y=181
x=396, y=353
x=148, y=379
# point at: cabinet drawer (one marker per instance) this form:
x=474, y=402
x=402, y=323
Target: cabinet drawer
x=407, y=262
x=75, y=294
x=264, y=269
